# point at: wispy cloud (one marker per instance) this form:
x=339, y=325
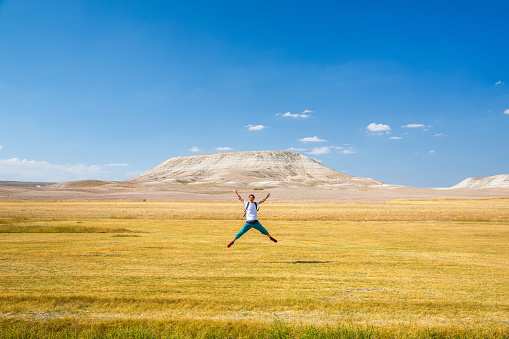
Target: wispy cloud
x=312, y=139
x=328, y=149
x=499, y=83
x=432, y=151
x=117, y=165
x=1, y=147
x=320, y=150
x=194, y=149
x=296, y=149
x=255, y=127
x=440, y=135
x=224, y=148
x=413, y=126
x=295, y=115
x=378, y=127
x=506, y=111
x=342, y=150
x=307, y=111
x=32, y=170
x=395, y=138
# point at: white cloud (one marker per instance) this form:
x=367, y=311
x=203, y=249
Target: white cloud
x=506, y=111
x=307, y=111
x=116, y=165
x=395, y=138
x=32, y=170
x=320, y=150
x=312, y=139
x=224, y=148
x=378, y=127
x=194, y=149
x=255, y=128
x=413, y=126
x=327, y=150
x=432, y=151
x=501, y=83
x=295, y=149
x=440, y=135
x=1, y=147
x=296, y=115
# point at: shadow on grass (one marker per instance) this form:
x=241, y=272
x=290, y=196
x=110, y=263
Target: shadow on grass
x=297, y=262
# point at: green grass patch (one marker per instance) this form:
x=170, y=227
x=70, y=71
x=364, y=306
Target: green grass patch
x=126, y=235
x=67, y=328
x=9, y=228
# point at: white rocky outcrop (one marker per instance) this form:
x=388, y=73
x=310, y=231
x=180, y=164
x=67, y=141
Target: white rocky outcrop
x=496, y=181
x=257, y=169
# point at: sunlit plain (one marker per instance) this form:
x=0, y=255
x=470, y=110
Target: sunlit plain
x=411, y=265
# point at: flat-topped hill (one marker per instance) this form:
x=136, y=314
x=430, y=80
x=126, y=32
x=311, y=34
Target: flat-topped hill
x=254, y=169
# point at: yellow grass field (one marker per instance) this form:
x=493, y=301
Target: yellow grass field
x=431, y=268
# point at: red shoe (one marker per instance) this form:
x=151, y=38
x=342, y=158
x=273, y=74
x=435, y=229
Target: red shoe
x=271, y=238
x=229, y=244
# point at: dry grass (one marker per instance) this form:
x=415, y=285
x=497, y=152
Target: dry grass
x=24, y=225
x=496, y=209
x=392, y=273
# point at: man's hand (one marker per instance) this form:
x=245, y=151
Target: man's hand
x=238, y=196
x=268, y=195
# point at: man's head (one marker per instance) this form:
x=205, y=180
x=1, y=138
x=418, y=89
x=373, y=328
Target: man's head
x=251, y=198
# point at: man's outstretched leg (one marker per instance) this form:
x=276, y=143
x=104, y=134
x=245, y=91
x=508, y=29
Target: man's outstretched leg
x=263, y=231
x=247, y=227
x=231, y=243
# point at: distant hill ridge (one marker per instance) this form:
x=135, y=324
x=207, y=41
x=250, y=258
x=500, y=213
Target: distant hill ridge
x=25, y=183
x=496, y=181
x=255, y=168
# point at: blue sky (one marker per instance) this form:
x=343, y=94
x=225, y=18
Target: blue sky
x=411, y=93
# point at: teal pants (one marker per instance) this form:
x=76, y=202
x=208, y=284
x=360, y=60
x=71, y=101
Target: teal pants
x=252, y=224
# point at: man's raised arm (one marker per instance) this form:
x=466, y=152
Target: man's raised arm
x=238, y=196
x=268, y=195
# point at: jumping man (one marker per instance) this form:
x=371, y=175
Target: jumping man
x=251, y=215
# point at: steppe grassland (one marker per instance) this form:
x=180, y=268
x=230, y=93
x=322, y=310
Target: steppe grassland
x=398, y=210
x=401, y=266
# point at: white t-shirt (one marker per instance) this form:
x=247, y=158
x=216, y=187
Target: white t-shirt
x=251, y=213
